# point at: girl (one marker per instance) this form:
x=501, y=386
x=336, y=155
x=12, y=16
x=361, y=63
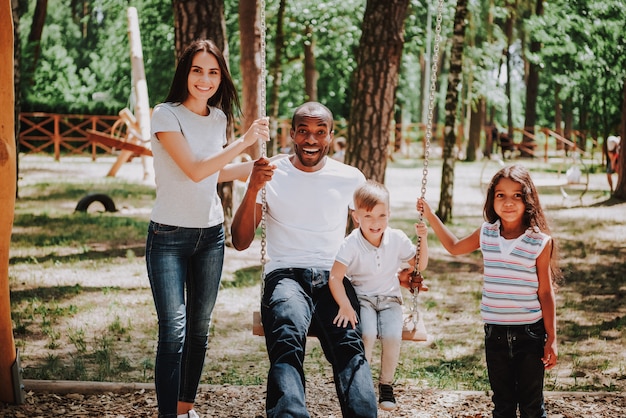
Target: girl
x=518, y=303
x=185, y=244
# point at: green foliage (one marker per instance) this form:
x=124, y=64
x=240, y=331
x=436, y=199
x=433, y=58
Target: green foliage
x=583, y=57
x=84, y=65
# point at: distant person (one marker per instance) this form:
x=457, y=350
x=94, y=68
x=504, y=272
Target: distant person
x=308, y=200
x=339, y=147
x=371, y=257
x=518, y=302
x=185, y=244
x=612, y=160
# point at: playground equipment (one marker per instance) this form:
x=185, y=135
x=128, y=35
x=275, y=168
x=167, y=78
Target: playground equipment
x=136, y=139
x=413, y=324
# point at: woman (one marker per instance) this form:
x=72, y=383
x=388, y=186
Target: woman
x=185, y=244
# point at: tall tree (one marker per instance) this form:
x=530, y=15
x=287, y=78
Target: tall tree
x=199, y=20
x=374, y=86
x=250, y=63
x=620, y=189
x=34, y=37
x=452, y=99
x=532, y=92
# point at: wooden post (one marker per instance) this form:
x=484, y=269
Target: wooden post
x=139, y=90
x=10, y=388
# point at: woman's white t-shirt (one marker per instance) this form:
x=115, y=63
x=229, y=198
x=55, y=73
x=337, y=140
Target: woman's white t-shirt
x=179, y=200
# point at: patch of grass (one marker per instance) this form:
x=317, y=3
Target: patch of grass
x=107, y=330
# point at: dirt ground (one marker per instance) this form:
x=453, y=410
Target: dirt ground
x=248, y=401
x=89, y=399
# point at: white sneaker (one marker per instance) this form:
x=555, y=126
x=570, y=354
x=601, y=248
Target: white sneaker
x=190, y=414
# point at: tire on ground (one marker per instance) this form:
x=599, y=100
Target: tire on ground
x=85, y=202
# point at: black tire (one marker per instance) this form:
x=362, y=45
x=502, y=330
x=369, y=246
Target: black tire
x=85, y=202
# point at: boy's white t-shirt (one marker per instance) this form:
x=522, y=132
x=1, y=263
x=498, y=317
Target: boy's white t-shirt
x=373, y=270
x=179, y=200
x=307, y=213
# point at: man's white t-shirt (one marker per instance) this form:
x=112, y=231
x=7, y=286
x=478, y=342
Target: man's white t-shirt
x=307, y=213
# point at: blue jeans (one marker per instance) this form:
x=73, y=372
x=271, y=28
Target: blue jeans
x=381, y=317
x=295, y=300
x=177, y=259
x=515, y=369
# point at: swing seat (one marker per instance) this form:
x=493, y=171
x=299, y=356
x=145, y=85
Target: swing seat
x=411, y=330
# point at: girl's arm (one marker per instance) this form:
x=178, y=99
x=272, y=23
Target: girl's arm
x=449, y=241
x=199, y=169
x=548, y=306
x=346, y=314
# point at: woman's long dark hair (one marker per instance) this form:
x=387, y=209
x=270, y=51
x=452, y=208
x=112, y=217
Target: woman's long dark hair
x=225, y=98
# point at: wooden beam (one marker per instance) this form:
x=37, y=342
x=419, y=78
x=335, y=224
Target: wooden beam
x=109, y=141
x=8, y=178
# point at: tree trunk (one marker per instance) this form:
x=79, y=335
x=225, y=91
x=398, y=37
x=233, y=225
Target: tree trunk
x=250, y=45
x=205, y=20
x=509, y=40
x=374, y=85
x=568, y=119
x=34, y=37
x=199, y=20
x=276, y=74
x=310, y=70
x=620, y=188
x=452, y=100
x=477, y=115
x=8, y=175
x=532, y=92
x=558, y=116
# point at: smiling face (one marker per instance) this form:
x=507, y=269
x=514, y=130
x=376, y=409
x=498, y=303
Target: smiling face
x=203, y=81
x=312, y=135
x=508, y=201
x=372, y=222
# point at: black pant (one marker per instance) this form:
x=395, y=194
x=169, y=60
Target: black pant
x=515, y=369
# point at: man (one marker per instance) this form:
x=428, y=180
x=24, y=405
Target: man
x=308, y=196
x=612, y=148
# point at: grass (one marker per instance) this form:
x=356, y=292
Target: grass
x=82, y=307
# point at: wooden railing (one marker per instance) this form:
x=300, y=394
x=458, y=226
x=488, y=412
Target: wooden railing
x=59, y=134
x=54, y=133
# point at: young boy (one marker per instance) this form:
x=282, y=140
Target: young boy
x=371, y=257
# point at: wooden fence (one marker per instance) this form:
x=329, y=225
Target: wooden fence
x=59, y=135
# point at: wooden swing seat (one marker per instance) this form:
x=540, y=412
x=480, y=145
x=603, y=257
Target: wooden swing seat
x=117, y=143
x=411, y=330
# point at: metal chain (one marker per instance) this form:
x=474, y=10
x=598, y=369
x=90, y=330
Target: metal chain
x=427, y=138
x=262, y=113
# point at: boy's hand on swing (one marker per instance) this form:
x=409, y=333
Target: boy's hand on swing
x=411, y=281
x=345, y=316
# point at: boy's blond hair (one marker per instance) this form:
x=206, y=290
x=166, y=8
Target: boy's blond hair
x=370, y=194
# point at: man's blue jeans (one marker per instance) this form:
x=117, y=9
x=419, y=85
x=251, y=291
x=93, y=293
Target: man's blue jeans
x=294, y=300
x=177, y=259
x=515, y=369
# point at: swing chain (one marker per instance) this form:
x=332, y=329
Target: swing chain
x=416, y=275
x=262, y=113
